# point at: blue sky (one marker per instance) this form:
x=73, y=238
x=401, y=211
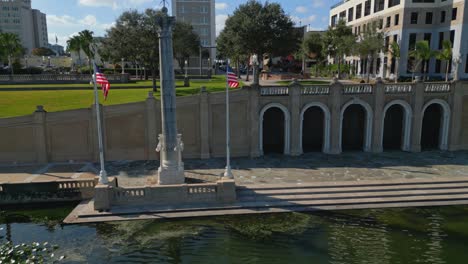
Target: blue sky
x=67, y=17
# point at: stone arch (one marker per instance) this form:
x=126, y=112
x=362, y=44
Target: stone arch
x=287, y=126
x=367, y=126
x=445, y=124
x=408, y=115
x=327, y=125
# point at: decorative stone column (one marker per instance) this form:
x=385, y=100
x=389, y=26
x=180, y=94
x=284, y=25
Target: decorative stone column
x=456, y=101
x=40, y=139
x=418, y=103
x=170, y=143
x=295, y=108
x=254, y=121
x=379, y=97
x=334, y=102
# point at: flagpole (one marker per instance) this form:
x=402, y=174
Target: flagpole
x=228, y=172
x=102, y=174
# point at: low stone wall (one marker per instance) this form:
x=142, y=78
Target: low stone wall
x=47, y=192
x=221, y=192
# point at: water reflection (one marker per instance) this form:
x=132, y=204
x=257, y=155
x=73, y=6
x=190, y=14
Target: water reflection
x=366, y=236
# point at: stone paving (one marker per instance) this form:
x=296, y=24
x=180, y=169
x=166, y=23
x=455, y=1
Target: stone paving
x=274, y=169
x=278, y=169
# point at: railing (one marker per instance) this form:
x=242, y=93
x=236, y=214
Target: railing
x=274, y=91
x=357, y=89
x=437, y=88
x=398, y=88
x=76, y=184
x=129, y=194
x=201, y=189
x=316, y=90
x=59, y=77
x=337, y=4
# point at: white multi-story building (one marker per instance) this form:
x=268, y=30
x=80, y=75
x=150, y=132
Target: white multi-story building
x=201, y=15
x=409, y=21
x=17, y=16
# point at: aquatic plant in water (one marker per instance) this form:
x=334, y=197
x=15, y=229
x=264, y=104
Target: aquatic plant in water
x=28, y=253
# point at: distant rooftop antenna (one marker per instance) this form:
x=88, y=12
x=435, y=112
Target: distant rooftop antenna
x=163, y=2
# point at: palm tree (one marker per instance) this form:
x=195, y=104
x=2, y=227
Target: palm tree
x=10, y=45
x=396, y=54
x=86, y=42
x=445, y=55
x=74, y=44
x=423, y=53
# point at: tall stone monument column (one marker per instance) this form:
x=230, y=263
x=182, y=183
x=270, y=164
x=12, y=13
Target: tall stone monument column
x=170, y=144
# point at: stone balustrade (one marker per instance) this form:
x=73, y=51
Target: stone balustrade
x=398, y=88
x=316, y=90
x=58, y=78
x=437, y=88
x=357, y=89
x=216, y=192
x=274, y=90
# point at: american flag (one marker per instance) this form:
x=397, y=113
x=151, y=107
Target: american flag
x=102, y=80
x=232, y=80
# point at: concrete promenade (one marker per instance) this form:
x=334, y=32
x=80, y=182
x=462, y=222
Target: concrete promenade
x=275, y=169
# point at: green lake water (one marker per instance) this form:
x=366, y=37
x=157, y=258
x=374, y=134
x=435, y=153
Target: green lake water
x=412, y=235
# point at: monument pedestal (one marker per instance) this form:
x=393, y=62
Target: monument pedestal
x=171, y=171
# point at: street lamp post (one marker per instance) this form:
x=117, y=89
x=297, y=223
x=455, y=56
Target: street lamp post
x=209, y=68
x=186, y=78
x=255, y=69
x=123, y=66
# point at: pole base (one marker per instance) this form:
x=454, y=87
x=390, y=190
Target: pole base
x=228, y=174
x=103, y=177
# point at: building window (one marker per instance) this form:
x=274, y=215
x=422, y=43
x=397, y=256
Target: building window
x=428, y=18
x=414, y=18
x=397, y=19
x=412, y=41
x=333, y=20
x=466, y=64
x=387, y=42
x=358, y=11
x=350, y=14
x=393, y=3
x=367, y=8
x=389, y=19
x=442, y=16
x=452, y=37
x=438, y=66
x=441, y=39
x=379, y=5
x=454, y=14
x=428, y=37
x=343, y=15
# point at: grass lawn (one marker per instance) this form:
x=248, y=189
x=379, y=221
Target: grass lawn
x=303, y=82
x=18, y=103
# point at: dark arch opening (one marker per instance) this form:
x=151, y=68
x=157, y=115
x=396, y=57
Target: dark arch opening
x=432, y=121
x=393, y=128
x=312, y=129
x=273, y=131
x=353, y=130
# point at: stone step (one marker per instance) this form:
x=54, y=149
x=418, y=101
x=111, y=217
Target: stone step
x=243, y=192
x=345, y=184
x=349, y=195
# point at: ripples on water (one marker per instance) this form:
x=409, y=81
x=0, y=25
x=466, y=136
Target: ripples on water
x=427, y=235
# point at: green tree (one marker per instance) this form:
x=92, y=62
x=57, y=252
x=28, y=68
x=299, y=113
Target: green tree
x=256, y=28
x=87, y=44
x=42, y=52
x=74, y=45
x=423, y=54
x=369, y=45
x=338, y=42
x=396, y=54
x=313, y=48
x=445, y=55
x=185, y=42
x=10, y=48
